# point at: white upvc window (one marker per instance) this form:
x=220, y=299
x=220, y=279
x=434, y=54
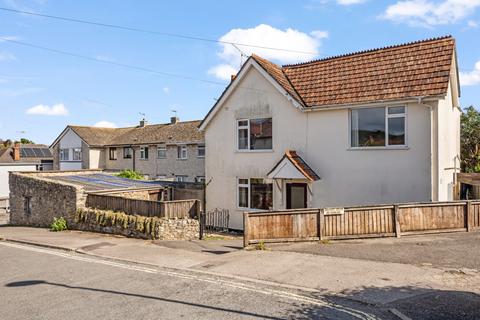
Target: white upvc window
x=378, y=127
x=201, y=151
x=77, y=154
x=181, y=178
x=254, y=193
x=161, y=151
x=143, y=153
x=200, y=179
x=182, y=152
x=254, y=134
x=64, y=154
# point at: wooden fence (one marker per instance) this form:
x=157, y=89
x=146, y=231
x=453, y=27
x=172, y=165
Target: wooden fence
x=148, y=208
x=361, y=222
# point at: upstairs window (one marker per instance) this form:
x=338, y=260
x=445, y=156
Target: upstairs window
x=182, y=152
x=378, y=127
x=161, y=151
x=254, y=134
x=144, y=153
x=181, y=178
x=112, y=153
x=201, y=151
x=64, y=154
x=127, y=153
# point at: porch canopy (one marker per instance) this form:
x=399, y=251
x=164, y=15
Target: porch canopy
x=292, y=167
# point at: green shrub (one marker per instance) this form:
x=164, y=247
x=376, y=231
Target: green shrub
x=261, y=246
x=59, y=224
x=130, y=174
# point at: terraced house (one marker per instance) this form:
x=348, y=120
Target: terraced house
x=371, y=127
x=174, y=150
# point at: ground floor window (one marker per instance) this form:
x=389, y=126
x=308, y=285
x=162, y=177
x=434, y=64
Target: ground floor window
x=181, y=178
x=27, y=205
x=255, y=193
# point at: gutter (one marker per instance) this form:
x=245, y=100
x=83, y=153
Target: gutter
x=367, y=104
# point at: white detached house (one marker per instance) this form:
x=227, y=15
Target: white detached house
x=373, y=127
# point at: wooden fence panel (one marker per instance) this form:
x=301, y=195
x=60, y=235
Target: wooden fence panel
x=359, y=222
x=475, y=214
x=148, y=208
x=430, y=217
x=288, y=226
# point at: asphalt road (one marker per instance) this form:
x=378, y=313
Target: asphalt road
x=38, y=283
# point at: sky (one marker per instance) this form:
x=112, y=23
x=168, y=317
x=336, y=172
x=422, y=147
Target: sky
x=111, y=76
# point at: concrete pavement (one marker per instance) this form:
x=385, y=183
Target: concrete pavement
x=360, y=280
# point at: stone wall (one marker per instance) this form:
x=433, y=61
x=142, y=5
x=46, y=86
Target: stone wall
x=89, y=219
x=35, y=201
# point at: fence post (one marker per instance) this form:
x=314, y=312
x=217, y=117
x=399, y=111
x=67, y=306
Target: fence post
x=201, y=222
x=245, y=229
x=319, y=224
x=396, y=213
x=469, y=216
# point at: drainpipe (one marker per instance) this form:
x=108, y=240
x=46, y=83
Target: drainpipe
x=133, y=157
x=433, y=159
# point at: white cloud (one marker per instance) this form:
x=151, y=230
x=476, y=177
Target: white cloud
x=264, y=35
x=472, y=24
x=6, y=38
x=471, y=78
x=349, y=2
x=223, y=71
x=58, y=109
x=430, y=13
x=5, y=56
x=166, y=90
x=105, y=124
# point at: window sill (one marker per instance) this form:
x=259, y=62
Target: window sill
x=70, y=160
x=143, y=159
x=182, y=159
x=255, y=151
x=378, y=148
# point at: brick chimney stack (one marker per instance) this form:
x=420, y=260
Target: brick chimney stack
x=174, y=120
x=16, y=151
x=143, y=123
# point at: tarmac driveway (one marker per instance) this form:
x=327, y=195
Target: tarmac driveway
x=447, y=250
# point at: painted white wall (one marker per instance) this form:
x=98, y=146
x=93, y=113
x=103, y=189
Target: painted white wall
x=448, y=145
x=68, y=141
x=96, y=159
x=4, y=169
x=321, y=138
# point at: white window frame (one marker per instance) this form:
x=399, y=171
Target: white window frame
x=143, y=154
x=242, y=185
x=182, y=148
x=161, y=147
x=199, y=146
x=62, y=154
x=200, y=179
x=181, y=178
x=248, y=135
x=77, y=151
x=387, y=116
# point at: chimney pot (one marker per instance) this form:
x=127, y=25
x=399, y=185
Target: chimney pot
x=232, y=77
x=16, y=151
x=174, y=120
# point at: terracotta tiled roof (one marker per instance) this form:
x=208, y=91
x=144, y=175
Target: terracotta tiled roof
x=301, y=165
x=180, y=132
x=417, y=69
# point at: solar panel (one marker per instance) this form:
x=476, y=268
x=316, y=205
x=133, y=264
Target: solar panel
x=47, y=153
x=29, y=152
x=38, y=152
x=22, y=153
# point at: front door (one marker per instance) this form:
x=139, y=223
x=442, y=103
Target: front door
x=296, y=195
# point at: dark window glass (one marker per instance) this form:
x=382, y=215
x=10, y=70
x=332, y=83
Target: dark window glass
x=261, y=134
x=368, y=127
x=113, y=153
x=396, y=131
x=127, y=152
x=261, y=194
x=243, y=197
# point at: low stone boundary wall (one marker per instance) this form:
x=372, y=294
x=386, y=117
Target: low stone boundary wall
x=96, y=220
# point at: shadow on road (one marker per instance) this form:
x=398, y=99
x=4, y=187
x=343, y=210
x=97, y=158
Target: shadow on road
x=397, y=302
x=27, y=283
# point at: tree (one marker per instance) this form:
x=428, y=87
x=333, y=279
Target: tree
x=470, y=140
x=26, y=141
